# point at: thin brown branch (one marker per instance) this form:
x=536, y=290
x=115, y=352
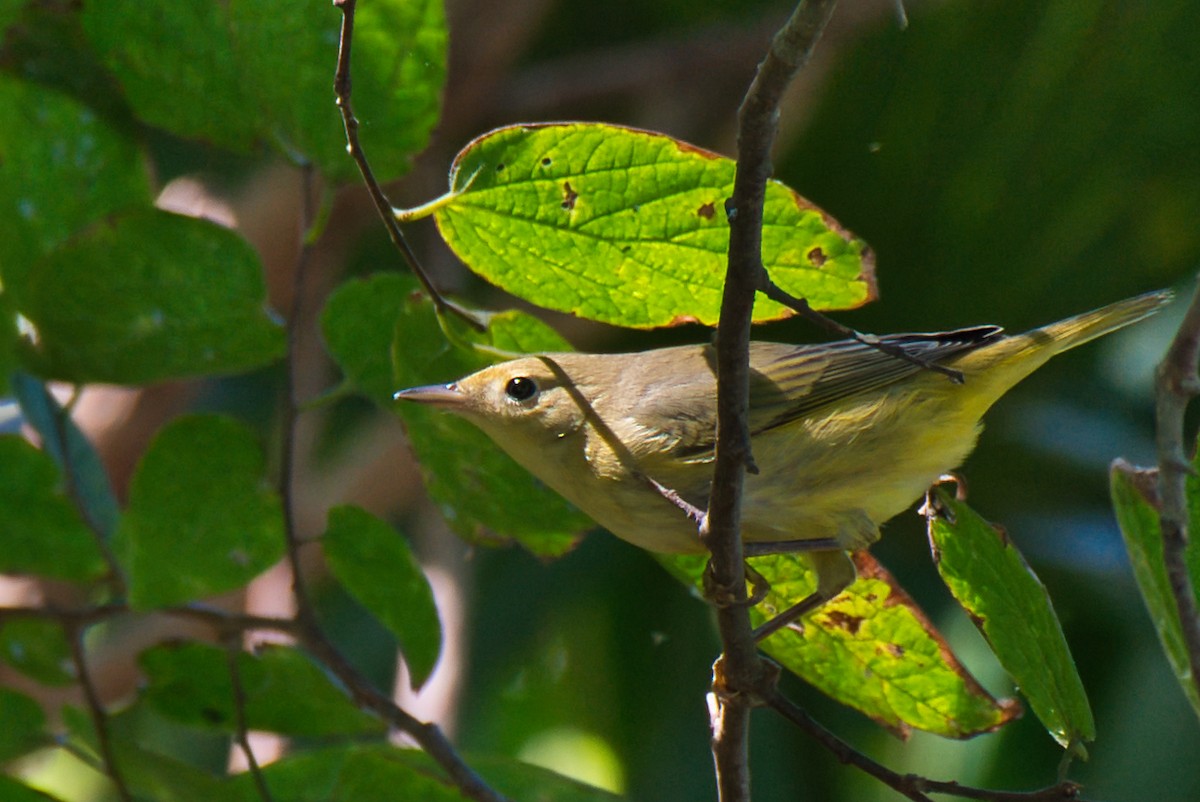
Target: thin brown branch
x=801, y=307
x=221, y=620
x=741, y=677
x=1177, y=384
x=910, y=785
x=233, y=649
x=427, y=736
x=341, y=90
x=96, y=709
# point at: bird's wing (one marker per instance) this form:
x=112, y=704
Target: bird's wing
x=790, y=382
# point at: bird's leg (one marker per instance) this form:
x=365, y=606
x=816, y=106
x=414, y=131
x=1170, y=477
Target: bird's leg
x=931, y=508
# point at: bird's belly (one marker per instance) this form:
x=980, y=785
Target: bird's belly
x=844, y=475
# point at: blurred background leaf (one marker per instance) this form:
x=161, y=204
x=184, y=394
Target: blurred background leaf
x=199, y=521
x=377, y=567
x=257, y=72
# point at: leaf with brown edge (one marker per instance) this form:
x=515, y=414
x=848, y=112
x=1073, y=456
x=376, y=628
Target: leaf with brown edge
x=628, y=227
x=871, y=648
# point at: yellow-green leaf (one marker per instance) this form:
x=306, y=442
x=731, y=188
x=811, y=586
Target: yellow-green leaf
x=871, y=648
x=629, y=227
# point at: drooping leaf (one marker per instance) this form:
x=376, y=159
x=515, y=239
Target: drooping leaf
x=871, y=648
x=149, y=296
x=374, y=563
x=199, y=520
x=386, y=338
x=629, y=227
x=284, y=691
x=24, y=724
x=1134, y=500
x=71, y=449
x=40, y=531
x=218, y=72
x=38, y=648
x=61, y=168
x=1009, y=604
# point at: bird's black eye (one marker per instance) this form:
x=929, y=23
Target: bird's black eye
x=521, y=388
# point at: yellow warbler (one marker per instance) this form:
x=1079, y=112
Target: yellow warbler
x=844, y=436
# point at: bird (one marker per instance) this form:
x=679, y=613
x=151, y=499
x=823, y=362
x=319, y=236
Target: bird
x=845, y=435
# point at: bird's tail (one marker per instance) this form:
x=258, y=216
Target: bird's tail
x=1077, y=330
x=996, y=367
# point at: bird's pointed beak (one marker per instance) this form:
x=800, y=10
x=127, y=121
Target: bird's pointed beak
x=447, y=396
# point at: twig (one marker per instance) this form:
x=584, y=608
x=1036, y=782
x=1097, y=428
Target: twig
x=741, y=676
x=910, y=785
x=1177, y=383
x=428, y=736
x=96, y=709
x=222, y=620
x=341, y=90
x=801, y=307
x=233, y=649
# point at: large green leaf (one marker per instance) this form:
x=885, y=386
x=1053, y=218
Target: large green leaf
x=992, y=581
x=629, y=227
x=61, y=168
x=40, y=530
x=870, y=647
x=24, y=725
x=386, y=337
x=284, y=691
x=200, y=520
x=250, y=72
x=149, y=296
x=1134, y=495
x=374, y=563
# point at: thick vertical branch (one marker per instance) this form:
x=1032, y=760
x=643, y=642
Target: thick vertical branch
x=740, y=670
x=1178, y=383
